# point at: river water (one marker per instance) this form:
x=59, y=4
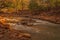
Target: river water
x=39, y=30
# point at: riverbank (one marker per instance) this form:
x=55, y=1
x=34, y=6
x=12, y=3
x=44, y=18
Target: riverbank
x=51, y=16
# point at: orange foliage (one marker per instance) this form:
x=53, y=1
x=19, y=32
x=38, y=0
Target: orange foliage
x=2, y=20
x=10, y=10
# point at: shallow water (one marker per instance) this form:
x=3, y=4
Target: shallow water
x=40, y=30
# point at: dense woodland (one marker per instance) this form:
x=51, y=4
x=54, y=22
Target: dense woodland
x=30, y=4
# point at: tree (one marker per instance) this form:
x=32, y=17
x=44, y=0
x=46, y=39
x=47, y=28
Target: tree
x=6, y=4
x=33, y=5
x=57, y=3
x=2, y=4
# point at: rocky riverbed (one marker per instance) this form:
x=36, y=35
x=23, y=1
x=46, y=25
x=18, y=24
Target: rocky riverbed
x=37, y=29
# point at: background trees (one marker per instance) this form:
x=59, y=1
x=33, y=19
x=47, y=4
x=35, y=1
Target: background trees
x=33, y=4
x=40, y=5
x=43, y=4
x=6, y=4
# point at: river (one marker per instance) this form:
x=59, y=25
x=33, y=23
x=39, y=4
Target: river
x=39, y=29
